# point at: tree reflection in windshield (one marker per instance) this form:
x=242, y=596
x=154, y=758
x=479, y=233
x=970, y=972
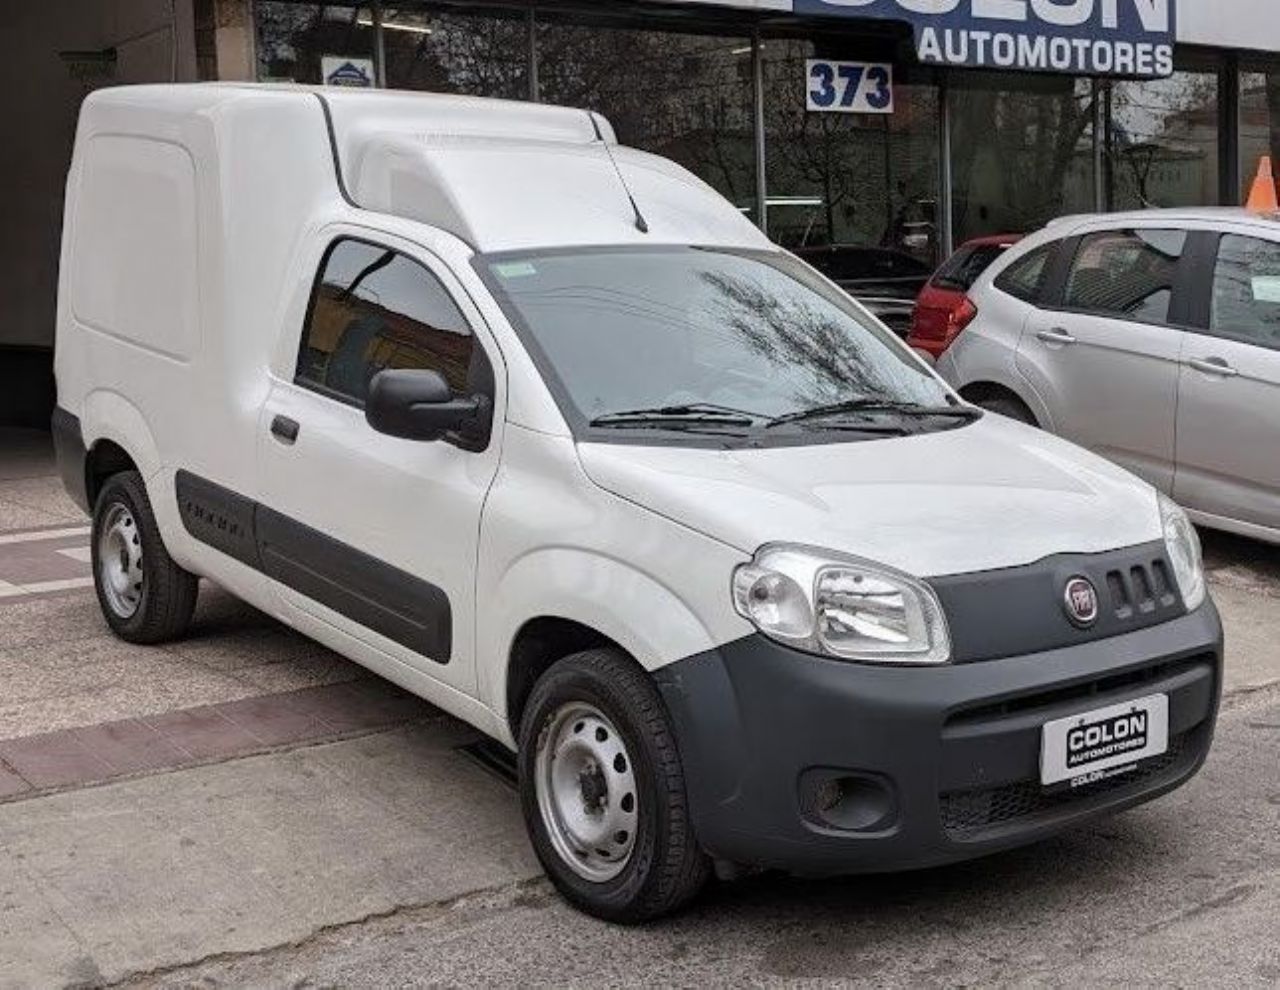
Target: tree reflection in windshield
x=795, y=333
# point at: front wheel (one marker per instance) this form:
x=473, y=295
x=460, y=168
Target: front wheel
x=603, y=791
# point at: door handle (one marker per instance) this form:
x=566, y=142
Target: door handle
x=1056, y=336
x=285, y=429
x=1214, y=366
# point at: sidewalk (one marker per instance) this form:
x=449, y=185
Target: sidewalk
x=233, y=791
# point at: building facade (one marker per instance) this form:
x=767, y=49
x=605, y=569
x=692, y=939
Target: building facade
x=1171, y=116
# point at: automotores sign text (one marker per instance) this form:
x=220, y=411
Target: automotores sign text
x=1082, y=37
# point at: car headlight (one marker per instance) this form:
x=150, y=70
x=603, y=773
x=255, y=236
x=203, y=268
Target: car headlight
x=1183, y=544
x=824, y=602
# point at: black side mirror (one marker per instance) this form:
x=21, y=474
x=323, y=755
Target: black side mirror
x=419, y=405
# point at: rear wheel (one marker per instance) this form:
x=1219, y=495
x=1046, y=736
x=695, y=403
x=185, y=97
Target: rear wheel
x=144, y=595
x=603, y=790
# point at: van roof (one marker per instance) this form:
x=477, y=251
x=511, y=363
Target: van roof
x=501, y=175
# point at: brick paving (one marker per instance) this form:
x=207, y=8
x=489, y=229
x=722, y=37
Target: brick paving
x=192, y=736
x=239, y=684
x=44, y=561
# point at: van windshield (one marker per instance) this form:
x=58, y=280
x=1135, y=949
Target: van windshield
x=696, y=338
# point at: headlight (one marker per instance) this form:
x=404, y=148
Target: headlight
x=1183, y=544
x=824, y=602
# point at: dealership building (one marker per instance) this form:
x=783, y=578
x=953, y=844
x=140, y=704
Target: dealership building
x=905, y=126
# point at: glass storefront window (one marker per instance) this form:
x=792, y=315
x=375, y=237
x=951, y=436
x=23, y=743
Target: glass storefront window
x=1259, y=122
x=1161, y=145
x=477, y=53
x=293, y=38
x=1021, y=152
x=855, y=191
x=848, y=180
x=687, y=97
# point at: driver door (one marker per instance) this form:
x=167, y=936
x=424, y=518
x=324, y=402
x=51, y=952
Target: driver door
x=374, y=535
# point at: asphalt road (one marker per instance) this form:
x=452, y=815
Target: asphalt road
x=244, y=808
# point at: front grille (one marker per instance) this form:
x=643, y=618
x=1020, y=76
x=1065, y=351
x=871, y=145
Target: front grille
x=970, y=815
x=1140, y=590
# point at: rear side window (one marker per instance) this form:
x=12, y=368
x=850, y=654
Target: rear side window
x=372, y=310
x=962, y=269
x=1246, y=291
x=1025, y=278
x=1128, y=274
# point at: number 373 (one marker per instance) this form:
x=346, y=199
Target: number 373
x=850, y=87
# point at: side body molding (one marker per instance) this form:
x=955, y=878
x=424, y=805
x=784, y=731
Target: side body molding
x=391, y=602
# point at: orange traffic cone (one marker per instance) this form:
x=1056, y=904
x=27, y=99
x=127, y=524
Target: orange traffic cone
x=1262, y=198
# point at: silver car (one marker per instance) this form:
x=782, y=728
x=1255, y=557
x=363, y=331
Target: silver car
x=1152, y=338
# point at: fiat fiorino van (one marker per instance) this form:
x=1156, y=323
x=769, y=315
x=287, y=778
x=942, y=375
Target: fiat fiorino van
x=543, y=430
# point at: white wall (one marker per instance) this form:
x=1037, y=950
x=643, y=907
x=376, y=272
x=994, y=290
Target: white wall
x=41, y=107
x=1253, y=24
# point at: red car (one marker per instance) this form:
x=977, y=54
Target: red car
x=942, y=309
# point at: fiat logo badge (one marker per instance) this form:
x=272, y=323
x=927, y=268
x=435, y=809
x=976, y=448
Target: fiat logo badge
x=1081, y=601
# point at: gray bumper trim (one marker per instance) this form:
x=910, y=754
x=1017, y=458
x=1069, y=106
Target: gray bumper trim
x=753, y=718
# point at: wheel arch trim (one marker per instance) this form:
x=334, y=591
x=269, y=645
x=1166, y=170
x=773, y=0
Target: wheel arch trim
x=583, y=587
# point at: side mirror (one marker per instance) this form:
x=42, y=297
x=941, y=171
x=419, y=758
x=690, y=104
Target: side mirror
x=419, y=405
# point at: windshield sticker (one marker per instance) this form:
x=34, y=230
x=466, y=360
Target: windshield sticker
x=515, y=269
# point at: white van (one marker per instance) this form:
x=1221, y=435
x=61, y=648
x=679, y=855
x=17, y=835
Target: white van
x=543, y=430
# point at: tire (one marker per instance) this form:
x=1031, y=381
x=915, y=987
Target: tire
x=1010, y=407
x=145, y=596
x=659, y=867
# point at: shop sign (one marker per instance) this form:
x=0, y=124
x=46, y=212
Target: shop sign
x=849, y=87
x=339, y=71
x=1132, y=38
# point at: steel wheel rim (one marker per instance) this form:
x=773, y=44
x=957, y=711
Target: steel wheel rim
x=586, y=790
x=120, y=562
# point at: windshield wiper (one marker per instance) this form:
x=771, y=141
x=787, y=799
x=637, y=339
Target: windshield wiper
x=696, y=413
x=865, y=404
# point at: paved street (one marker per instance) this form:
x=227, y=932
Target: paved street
x=244, y=808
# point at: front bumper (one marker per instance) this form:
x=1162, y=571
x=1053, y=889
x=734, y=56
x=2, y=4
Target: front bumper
x=949, y=756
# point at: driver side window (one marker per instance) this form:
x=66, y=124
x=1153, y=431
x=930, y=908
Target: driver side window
x=373, y=309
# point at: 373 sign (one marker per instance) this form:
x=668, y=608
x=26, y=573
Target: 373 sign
x=849, y=87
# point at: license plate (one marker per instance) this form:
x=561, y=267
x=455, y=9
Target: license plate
x=1094, y=745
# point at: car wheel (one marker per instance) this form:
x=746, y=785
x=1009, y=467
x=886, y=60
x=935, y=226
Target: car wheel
x=144, y=595
x=603, y=791
x=1010, y=407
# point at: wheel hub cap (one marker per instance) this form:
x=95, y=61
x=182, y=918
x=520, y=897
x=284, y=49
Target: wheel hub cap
x=120, y=562
x=586, y=791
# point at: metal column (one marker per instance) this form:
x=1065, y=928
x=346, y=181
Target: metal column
x=379, y=47
x=757, y=81
x=1232, y=172
x=534, y=87
x=1100, y=197
x=946, y=202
